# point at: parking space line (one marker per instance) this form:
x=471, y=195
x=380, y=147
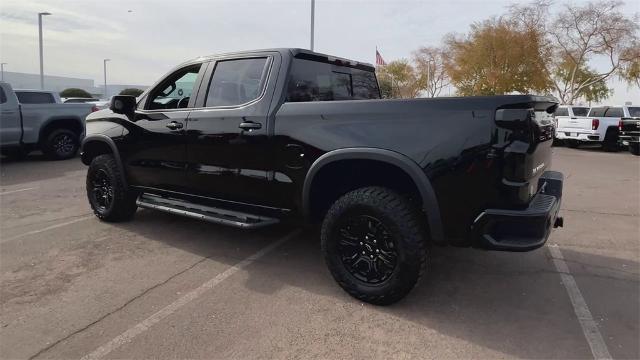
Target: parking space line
x=143, y=326
x=16, y=191
x=589, y=326
x=33, y=232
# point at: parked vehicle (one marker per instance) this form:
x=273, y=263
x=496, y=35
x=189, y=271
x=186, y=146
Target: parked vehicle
x=37, y=96
x=75, y=100
x=629, y=128
x=54, y=128
x=600, y=126
x=252, y=138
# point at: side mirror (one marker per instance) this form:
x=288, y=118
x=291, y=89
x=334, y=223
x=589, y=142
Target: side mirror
x=123, y=104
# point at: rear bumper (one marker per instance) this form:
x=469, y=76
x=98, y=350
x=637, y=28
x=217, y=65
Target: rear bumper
x=577, y=134
x=629, y=139
x=525, y=229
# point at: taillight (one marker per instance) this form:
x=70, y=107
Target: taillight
x=620, y=125
x=594, y=124
x=94, y=108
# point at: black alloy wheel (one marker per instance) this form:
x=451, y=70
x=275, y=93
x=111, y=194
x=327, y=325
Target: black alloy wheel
x=101, y=190
x=367, y=250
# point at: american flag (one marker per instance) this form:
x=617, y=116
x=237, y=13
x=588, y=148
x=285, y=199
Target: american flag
x=379, y=59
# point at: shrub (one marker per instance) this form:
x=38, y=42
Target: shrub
x=74, y=92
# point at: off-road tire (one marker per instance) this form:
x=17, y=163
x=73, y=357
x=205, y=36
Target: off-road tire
x=122, y=205
x=610, y=142
x=405, y=225
x=61, y=144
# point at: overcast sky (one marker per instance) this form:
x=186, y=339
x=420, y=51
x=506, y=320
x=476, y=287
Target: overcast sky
x=144, y=39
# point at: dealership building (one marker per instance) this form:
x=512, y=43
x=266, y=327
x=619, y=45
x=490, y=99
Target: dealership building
x=58, y=83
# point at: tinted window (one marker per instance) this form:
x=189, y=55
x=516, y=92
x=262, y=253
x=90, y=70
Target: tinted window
x=29, y=97
x=236, y=82
x=597, y=112
x=175, y=91
x=614, y=112
x=69, y=101
x=561, y=112
x=318, y=81
x=580, y=111
x=3, y=96
x=634, y=111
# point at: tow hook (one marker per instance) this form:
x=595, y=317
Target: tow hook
x=559, y=222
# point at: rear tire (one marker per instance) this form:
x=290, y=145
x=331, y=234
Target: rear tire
x=634, y=149
x=610, y=142
x=61, y=144
x=373, y=241
x=108, y=196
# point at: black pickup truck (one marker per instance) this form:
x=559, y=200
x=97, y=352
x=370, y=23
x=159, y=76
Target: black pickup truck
x=251, y=139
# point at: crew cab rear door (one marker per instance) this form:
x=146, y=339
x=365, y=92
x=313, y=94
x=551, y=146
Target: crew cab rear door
x=228, y=133
x=10, y=127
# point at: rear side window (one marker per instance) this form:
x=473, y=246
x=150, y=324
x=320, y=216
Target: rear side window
x=580, y=111
x=237, y=82
x=318, y=81
x=634, y=111
x=562, y=112
x=598, y=112
x=614, y=112
x=3, y=96
x=29, y=97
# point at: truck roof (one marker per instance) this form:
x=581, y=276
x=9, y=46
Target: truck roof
x=295, y=52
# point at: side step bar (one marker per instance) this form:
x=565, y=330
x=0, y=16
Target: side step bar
x=202, y=212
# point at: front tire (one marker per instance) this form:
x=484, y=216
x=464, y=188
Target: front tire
x=108, y=196
x=61, y=144
x=373, y=241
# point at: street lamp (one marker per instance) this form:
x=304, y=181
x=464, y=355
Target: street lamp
x=313, y=9
x=40, y=15
x=105, y=77
x=2, y=71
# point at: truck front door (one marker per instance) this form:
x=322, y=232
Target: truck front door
x=155, y=150
x=228, y=151
x=10, y=127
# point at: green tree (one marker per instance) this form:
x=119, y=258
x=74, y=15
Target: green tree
x=74, y=92
x=496, y=57
x=567, y=69
x=132, y=91
x=400, y=78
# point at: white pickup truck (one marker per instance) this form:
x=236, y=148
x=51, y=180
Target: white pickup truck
x=600, y=125
x=54, y=128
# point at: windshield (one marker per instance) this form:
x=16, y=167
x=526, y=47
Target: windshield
x=634, y=111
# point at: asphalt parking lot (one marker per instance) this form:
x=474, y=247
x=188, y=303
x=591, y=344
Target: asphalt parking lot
x=169, y=287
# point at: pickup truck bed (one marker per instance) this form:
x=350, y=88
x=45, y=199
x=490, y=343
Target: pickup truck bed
x=269, y=135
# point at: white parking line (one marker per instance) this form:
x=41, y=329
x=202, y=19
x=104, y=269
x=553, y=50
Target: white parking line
x=16, y=191
x=33, y=232
x=143, y=326
x=589, y=326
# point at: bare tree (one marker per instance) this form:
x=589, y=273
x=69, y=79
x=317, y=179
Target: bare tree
x=430, y=69
x=580, y=33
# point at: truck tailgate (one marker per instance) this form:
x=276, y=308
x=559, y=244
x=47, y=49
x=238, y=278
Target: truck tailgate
x=574, y=123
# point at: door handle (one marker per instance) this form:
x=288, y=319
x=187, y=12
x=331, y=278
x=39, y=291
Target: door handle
x=250, y=125
x=174, y=125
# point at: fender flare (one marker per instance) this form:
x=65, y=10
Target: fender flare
x=410, y=167
x=114, y=149
x=56, y=118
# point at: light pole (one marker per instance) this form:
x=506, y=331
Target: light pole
x=105, y=77
x=40, y=15
x=429, y=75
x=313, y=10
x=2, y=71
